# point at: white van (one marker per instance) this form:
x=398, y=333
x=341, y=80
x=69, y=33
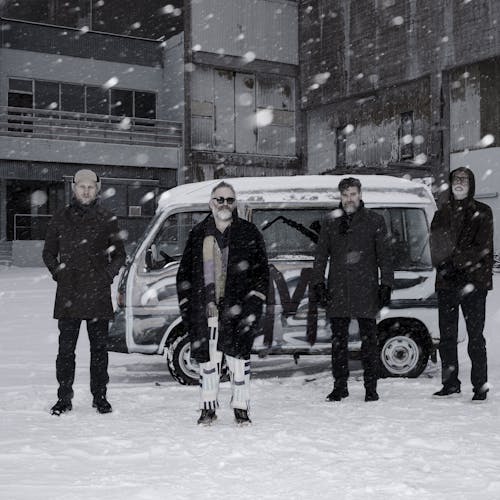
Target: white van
x=289, y=212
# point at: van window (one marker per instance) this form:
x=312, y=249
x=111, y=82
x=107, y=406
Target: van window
x=289, y=232
x=171, y=239
x=409, y=233
x=294, y=234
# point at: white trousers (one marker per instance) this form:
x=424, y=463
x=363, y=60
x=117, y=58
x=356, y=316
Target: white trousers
x=239, y=373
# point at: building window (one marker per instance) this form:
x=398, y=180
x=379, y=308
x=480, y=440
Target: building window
x=341, y=147
x=97, y=100
x=406, y=136
x=242, y=112
x=76, y=98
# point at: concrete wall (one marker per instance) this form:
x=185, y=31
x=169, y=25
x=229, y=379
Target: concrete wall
x=266, y=28
x=485, y=163
x=27, y=253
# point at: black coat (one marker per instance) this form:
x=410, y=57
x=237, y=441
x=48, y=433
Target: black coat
x=356, y=251
x=462, y=244
x=240, y=311
x=83, y=251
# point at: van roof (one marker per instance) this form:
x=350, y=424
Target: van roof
x=301, y=188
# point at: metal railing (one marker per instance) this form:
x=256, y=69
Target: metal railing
x=30, y=226
x=65, y=125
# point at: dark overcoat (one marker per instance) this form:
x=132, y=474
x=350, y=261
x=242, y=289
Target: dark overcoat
x=355, y=253
x=247, y=279
x=462, y=251
x=83, y=251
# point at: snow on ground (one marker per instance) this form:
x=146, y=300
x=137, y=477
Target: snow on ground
x=406, y=446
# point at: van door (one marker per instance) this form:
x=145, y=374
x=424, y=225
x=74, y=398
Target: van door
x=152, y=305
x=291, y=236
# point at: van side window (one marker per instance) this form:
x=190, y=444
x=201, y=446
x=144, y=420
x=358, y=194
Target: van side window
x=289, y=232
x=171, y=239
x=409, y=234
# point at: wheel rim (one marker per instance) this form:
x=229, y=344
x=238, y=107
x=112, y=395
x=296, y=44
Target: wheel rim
x=189, y=366
x=400, y=355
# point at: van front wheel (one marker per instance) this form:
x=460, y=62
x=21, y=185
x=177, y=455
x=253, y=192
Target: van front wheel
x=182, y=367
x=403, y=354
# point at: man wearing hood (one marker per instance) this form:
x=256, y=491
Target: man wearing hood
x=462, y=253
x=222, y=284
x=353, y=240
x=83, y=251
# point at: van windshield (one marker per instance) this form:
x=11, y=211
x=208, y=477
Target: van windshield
x=294, y=234
x=171, y=239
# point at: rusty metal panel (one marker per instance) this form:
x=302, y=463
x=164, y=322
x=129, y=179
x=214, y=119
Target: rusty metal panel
x=465, y=109
x=202, y=108
x=268, y=28
x=278, y=95
x=245, y=130
x=224, y=110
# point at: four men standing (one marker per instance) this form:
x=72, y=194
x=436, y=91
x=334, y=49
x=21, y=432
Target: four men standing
x=223, y=278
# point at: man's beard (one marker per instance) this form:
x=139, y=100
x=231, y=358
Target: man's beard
x=350, y=209
x=224, y=214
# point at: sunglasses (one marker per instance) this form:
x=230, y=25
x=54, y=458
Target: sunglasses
x=221, y=200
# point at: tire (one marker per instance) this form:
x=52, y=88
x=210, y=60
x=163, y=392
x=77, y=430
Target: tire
x=182, y=367
x=403, y=353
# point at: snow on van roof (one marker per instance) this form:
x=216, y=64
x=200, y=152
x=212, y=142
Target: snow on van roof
x=300, y=188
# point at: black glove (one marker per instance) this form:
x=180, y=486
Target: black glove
x=320, y=294
x=384, y=296
x=252, y=310
x=448, y=271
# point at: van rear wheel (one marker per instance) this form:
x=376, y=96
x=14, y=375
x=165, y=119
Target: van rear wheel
x=403, y=354
x=182, y=367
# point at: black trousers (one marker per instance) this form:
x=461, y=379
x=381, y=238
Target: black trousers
x=65, y=362
x=340, y=352
x=473, y=308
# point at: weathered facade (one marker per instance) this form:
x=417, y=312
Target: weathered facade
x=407, y=84
x=241, y=88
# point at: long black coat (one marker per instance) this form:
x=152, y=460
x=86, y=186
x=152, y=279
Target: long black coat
x=462, y=250
x=83, y=252
x=355, y=252
x=239, y=314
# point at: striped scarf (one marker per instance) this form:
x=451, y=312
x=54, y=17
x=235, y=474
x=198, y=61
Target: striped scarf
x=214, y=270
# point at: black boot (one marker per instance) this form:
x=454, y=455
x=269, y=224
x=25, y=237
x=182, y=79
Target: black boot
x=447, y=391
x=62, y=406
x=338, y=394
x=207, y=417
x=480, y=396
x=241, y=416
x=101, y=404
x=371, y=395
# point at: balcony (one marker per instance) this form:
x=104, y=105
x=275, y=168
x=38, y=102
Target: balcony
x=64, y=125
x=88, y=138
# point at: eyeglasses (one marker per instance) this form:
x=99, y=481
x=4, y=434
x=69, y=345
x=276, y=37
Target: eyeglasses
x=221, y=200
x=460, y=180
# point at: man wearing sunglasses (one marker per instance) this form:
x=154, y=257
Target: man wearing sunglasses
x=222, y=284
x=462, y=253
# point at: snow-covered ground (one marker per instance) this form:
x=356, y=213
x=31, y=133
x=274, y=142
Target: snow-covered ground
x=407, y=445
